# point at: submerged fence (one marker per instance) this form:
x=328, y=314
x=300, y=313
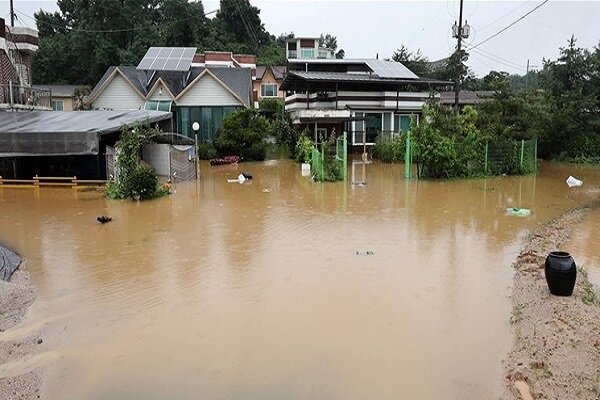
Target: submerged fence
x=499, y=157
x=331, y=167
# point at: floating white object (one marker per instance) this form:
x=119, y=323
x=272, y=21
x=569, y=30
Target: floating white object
x=518, y=212
x=305, y=169
x=572, y=181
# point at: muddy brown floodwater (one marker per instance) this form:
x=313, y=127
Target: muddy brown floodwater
x=223, y=291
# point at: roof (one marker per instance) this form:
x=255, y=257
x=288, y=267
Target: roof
x=65, y=133
x=350, y=77
x=466, y=97
x=278, y=71
x=390, y=69
x=238, y=80
x=59, y=90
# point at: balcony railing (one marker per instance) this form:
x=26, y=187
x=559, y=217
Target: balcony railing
x=292, y=54
x=14, y=96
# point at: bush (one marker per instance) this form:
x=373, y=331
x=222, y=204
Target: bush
x=134, y=180
x=143, y=183
x=303, y=151
x=390, y=149
x=275, y=106
x=243, y=134
x=207, y=151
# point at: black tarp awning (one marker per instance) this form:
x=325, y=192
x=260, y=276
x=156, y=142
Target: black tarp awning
x=57, y=133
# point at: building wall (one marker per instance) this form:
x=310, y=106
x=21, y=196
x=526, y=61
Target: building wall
x=208, y=92
x=157, y=96
x=118, y=95
x=67, y=102
x=267, y=78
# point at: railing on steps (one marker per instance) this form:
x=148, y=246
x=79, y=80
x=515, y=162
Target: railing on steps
x=60, y=181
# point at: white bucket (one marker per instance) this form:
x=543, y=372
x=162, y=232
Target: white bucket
x=572, y=181
x=305, y=169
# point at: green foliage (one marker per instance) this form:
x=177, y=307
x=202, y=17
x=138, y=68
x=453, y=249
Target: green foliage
x=243, y=134
x=274, y=105
x=332, y=168
x=303, y=150
x=207, y=151
x=330, y=42
x=416, y=62
x=134, y=180
x=390, y=149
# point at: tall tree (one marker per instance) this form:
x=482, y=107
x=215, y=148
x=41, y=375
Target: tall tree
x=330, y=42
x=416, y=62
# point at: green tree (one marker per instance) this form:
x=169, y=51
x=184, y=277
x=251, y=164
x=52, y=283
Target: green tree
x=416, y=62
x=243, y=134
x=330, y=42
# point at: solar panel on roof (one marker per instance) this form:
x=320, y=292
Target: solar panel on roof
x=390, y=69
x=167, y=59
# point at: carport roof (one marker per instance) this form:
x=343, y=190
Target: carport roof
x=52, y=133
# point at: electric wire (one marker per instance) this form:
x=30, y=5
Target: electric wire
x=70, y=29
x=509, y=25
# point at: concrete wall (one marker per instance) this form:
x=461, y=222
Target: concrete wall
x=157, y=155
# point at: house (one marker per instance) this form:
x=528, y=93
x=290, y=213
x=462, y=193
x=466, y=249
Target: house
x=17, y=46
x=203, y=94
x=363, y=97
x=62, y=97
x=306, y=49
x=267, y=83
x=224, y=59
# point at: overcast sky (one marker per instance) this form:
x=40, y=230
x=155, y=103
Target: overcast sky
x=366, y=29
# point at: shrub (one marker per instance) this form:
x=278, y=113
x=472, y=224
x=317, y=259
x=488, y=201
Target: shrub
x=207, y=151
x=134, y=180
x=303, y=151
x=275, y=106
x=143, y=183
x=390, y=149
x=243, y=134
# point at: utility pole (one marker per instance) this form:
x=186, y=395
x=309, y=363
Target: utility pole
x=460, y=32
x=12, y=14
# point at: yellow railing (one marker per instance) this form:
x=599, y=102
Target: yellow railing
x=60, y=181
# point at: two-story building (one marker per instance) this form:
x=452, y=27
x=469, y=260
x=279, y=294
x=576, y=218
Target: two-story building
x=363, y=97
x=17, y=46
x=268, y=83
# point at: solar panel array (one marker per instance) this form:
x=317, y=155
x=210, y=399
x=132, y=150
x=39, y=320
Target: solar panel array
x=390, y=69
x=167, y=59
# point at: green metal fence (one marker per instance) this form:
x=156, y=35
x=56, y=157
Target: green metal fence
x=500, y=157
x=322, y=162
x=510, y=157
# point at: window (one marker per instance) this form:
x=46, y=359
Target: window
x=321, y=135
x=158, y=105
x=323, y=53
x=307, y=53
x=210, y=120
x=368, y=129
x=268, y=90
x=58, y=105
x=402, y=122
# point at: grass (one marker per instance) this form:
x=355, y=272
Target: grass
x=589, y=294
x=517, y=314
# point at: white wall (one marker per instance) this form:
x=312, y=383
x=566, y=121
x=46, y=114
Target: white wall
x=208, y=92
x=118, y=95
x=157, y=96
x=157, y=155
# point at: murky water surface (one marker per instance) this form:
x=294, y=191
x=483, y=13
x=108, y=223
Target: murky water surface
x=223, y=291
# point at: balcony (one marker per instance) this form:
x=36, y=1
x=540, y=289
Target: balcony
x=292, y=54
x=17, y=97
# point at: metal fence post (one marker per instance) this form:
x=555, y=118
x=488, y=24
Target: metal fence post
x=323, y=162
x=407, y=157
x=345, y=152
x=485, y=161
x=522, y=153
x=535, y=153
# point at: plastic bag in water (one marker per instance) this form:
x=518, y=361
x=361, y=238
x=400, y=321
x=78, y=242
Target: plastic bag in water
x=572, y=181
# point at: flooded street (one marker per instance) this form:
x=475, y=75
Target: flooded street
x=395, y=290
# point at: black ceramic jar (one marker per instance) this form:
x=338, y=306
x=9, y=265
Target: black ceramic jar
x=561, y=273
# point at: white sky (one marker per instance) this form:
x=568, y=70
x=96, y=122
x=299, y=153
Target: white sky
x=367, y=28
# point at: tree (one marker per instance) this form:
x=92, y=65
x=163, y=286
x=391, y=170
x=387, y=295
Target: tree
x=416, y=62
x=329, y=41
x=78, y=43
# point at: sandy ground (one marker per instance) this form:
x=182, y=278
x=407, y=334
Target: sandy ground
x=15, y=298
x=556, y=349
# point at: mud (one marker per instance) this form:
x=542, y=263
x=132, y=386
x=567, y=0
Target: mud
x=556, y=351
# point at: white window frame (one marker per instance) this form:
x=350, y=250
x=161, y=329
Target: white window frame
x=396, y=129
x=359, y=142
x=264, y=86
x=53, y=103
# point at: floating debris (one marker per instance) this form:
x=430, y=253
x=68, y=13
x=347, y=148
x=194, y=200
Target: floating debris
x=572, y=181
x=359, y=183
x=366, y=253
x=518, y=212
x=9, y=262
x=104, y=219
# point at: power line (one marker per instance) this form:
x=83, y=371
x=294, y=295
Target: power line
x=506, y=63
x=511, y=24
x=111, y=30
x=504, y=16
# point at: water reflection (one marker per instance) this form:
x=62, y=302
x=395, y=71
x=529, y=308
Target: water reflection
x=235, y=292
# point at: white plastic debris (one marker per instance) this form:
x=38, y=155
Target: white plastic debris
x=572, y=181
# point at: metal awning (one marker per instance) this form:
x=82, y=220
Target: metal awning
x=58, y=133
